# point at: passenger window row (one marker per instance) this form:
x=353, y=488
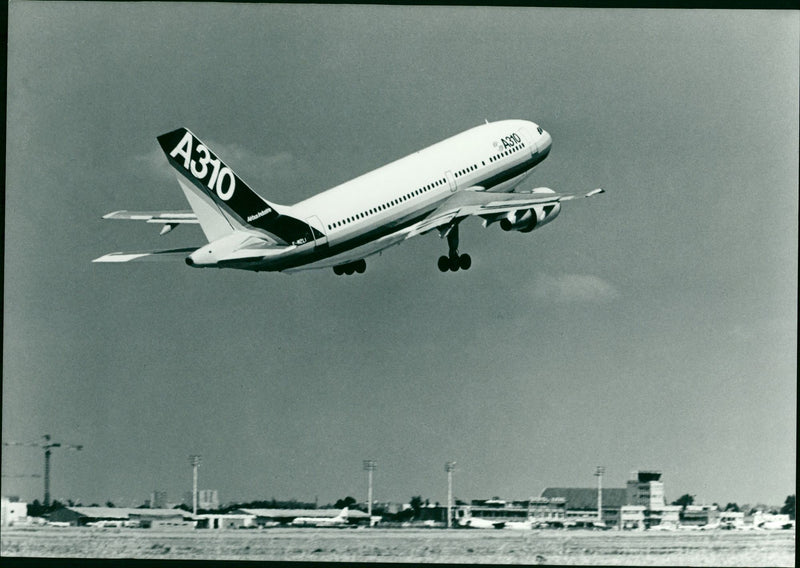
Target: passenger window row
x=466, y=170
x=421, y=190
x=388, y=204
x=507, y=152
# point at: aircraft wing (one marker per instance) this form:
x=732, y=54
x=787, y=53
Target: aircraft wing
x=148, y=255
x=169, y=219
x=490, y=206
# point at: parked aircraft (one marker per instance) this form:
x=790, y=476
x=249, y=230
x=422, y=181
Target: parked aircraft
x=776, y=525
x=519, y=525
x=478, y=523
x=339, y=520
x=474, y=173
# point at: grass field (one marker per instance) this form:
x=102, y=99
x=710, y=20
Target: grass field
x=723, y=548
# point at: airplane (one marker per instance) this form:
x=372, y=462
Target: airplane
x=519, y=525
x=339, y=520
x=478, y=523
x=474, y=173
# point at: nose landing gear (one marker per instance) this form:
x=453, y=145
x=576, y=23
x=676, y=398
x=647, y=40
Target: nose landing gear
x=453, y=261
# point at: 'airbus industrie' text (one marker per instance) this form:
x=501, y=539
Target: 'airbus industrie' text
x=258, y=215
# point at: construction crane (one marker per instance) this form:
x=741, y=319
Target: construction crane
x=47, y=445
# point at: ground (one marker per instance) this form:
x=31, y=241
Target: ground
x=713, y=548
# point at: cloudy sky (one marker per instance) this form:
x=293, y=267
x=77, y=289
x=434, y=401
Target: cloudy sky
x=651, y=327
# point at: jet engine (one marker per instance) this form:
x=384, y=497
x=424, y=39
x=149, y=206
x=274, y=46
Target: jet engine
x=528, y=220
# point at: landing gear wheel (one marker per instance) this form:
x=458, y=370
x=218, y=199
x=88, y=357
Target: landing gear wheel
x=453, y=261
x=338, y=270
x=349, y=269
x=361, y=266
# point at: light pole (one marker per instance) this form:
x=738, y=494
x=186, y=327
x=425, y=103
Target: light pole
x=449, y=467
x=599, y=473
x=195, y=460
x=370, y=466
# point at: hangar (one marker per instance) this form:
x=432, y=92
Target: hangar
x=145, y=518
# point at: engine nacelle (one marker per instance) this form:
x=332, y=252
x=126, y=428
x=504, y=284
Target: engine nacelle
x=527, y=221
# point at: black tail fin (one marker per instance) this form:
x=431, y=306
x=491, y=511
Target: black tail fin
x=197, y=163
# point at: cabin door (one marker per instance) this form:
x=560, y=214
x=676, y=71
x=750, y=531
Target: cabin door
x=451, y=181
x=317, y=232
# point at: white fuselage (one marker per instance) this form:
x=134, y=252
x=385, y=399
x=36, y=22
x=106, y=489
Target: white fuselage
x=364, y=216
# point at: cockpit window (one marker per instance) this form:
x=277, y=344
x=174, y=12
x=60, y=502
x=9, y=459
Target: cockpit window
x=539, y=128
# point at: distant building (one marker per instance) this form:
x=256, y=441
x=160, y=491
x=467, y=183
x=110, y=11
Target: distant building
x=670, y=516
x=547, y=511
x=539, y=510
x=158, y=500
x=632, y=517
x=585, y=498
x=207, y=499
x=731, y=519
x=580, y=503
x=497, y=510
x=145, y=518
x=229, y=521
x=13, y=511
x=646, y=488
x=699, y=515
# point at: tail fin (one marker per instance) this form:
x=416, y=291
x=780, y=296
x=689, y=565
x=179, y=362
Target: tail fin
x=221, y=199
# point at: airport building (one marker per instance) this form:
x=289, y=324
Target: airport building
x=731, y=519
x=207, y=499
x=581, y=503
x=542, y=511
x=123, y=516
x=227, y=521
x=158, y=500
x=640, y=504
x=699, y=515
x=13, y=511
x=646, y=488
x=631, y=517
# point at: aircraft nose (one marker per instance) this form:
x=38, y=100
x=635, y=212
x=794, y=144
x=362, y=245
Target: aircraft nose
x=544, y=143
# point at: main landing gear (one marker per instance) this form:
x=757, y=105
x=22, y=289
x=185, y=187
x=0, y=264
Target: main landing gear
x=358, y=266
x=453, y=261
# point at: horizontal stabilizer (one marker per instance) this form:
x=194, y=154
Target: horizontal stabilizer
x=183, y=216
x=168, y=219
x=171, y=218
x=148, y=255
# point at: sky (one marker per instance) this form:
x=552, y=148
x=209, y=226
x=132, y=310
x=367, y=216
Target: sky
x=652, y=327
